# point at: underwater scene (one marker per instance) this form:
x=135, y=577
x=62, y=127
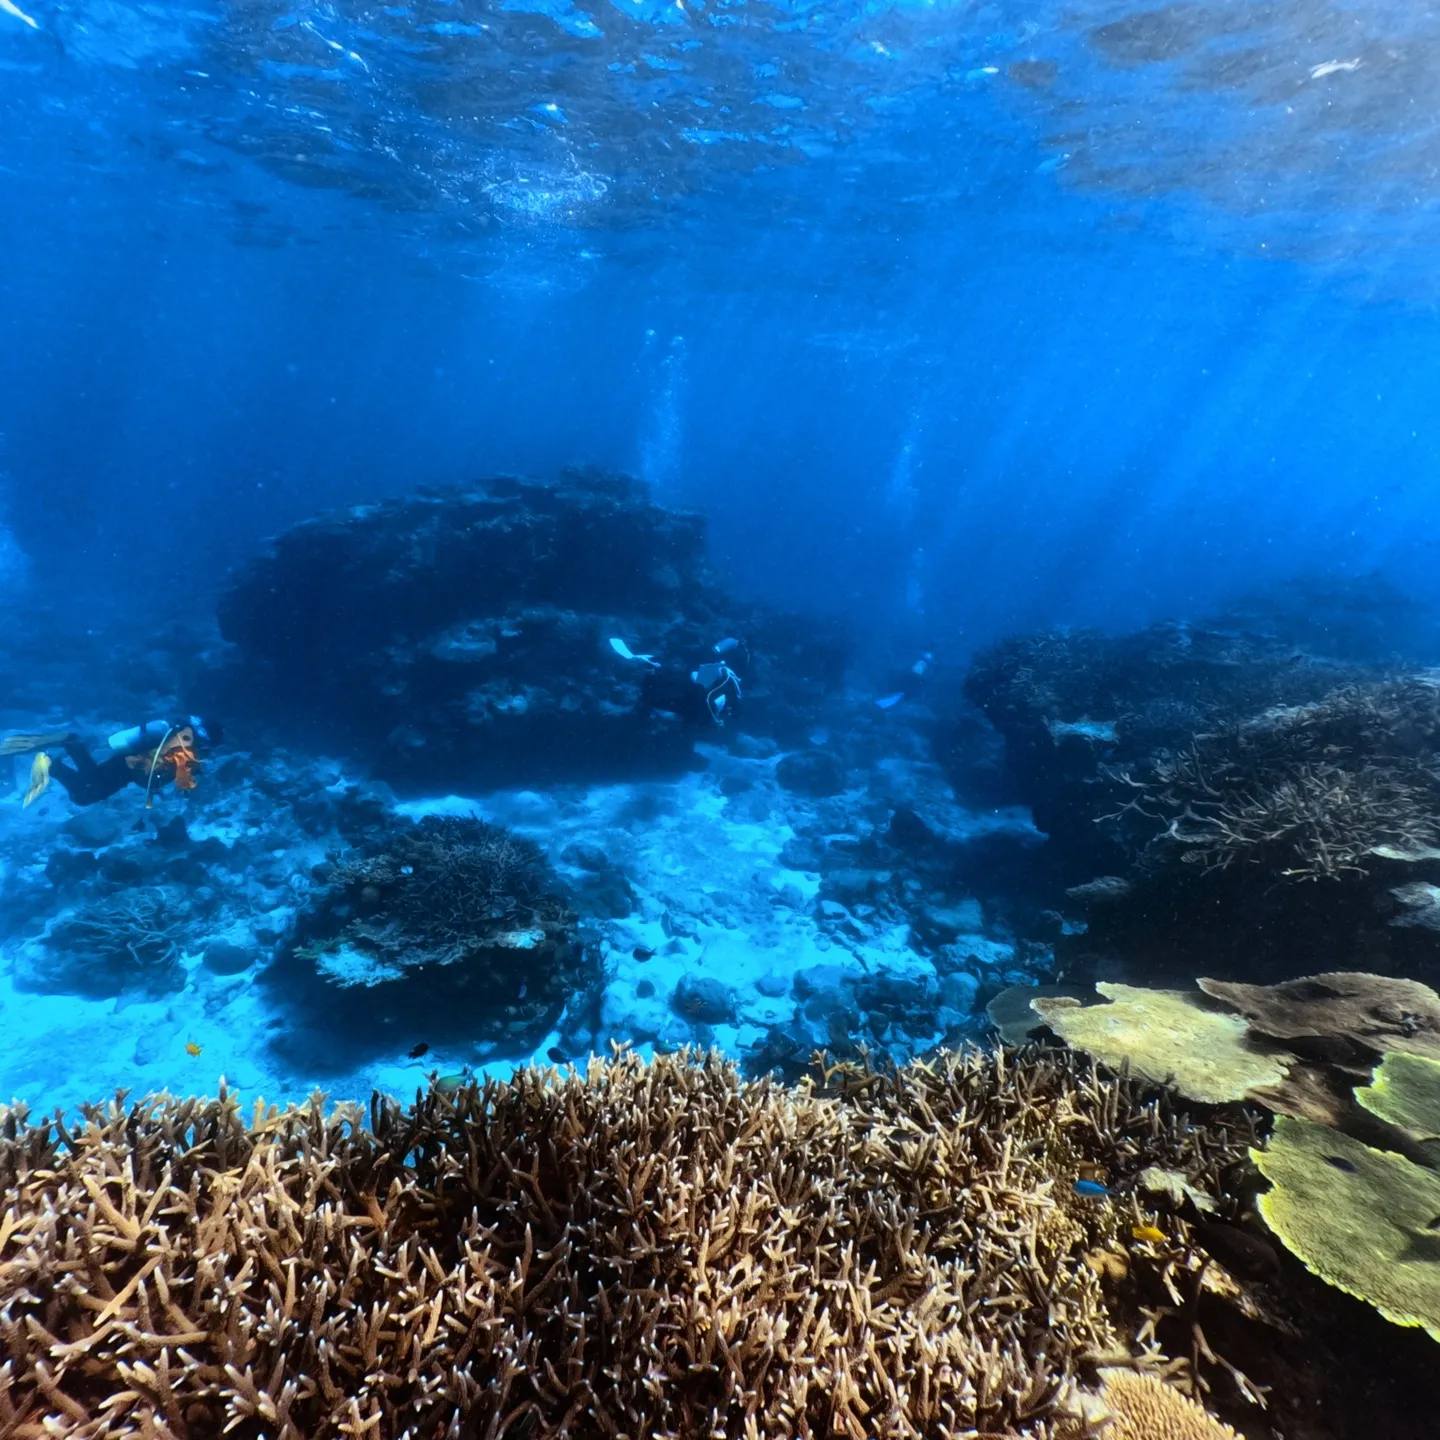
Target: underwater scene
x=720, y=718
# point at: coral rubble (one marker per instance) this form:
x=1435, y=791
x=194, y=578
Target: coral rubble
x=645, y=1250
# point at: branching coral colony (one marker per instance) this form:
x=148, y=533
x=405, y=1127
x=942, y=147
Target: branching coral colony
x=1309, y=791
x=641, y=1250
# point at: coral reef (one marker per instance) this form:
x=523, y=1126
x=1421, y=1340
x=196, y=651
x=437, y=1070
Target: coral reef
x=1071, y=702
x=1355, y=1191
x=1167, y=1037
x=128, y=942
x=1314, y=791
x=114, y=901
x=462, y=635
x=1362, y=1219
x=444, y=925
x=657, y=1250
x=1214, y=782
x=851, y=921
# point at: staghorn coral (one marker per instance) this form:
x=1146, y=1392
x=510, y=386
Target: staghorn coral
x=1309, y=821
x=646, y=1250
x=131, y=941
x=1311, y=791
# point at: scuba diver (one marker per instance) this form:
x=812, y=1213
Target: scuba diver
x=906, y=684
x=720, y=684
x=673, y=689
x=160, y=752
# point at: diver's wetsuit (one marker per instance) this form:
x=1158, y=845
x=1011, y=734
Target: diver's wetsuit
x=87, y=780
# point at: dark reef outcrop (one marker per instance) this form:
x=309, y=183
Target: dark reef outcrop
x=1220, y=799
x=445, y=928
x=462, y=635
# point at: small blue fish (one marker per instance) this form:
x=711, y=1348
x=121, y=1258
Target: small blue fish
x=1091, y=1189
x=886, y=701
x=725, y=646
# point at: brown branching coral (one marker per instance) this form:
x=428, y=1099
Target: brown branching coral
x=1311, y=791
x=1311, y=821
x=640, y=1250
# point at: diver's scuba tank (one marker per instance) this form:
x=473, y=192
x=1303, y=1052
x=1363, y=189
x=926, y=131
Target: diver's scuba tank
x=137, y=737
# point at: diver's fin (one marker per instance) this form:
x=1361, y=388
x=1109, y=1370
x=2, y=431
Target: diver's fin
x=39, y=778
x=29, y=744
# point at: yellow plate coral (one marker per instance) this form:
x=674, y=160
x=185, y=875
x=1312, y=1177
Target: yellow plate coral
x=1359, y=1218
x=1167, y=1036
x=1406, y=1092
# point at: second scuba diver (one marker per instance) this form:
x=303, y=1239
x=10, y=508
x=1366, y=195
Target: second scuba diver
x=159, y=752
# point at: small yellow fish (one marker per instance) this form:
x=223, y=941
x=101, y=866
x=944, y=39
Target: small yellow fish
x=191, y=1048
x=1147, y=1232
x=39, y=778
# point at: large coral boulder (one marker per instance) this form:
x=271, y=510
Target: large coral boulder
x=449, y=927
x=463, y=635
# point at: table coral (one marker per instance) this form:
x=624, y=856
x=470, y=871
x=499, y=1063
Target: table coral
x=1373, y=1012
x=1169, y=1037
x=1406, y=1092
x=1361, y=1219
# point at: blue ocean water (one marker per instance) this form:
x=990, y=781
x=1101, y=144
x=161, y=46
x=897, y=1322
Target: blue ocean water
x=952, y=321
